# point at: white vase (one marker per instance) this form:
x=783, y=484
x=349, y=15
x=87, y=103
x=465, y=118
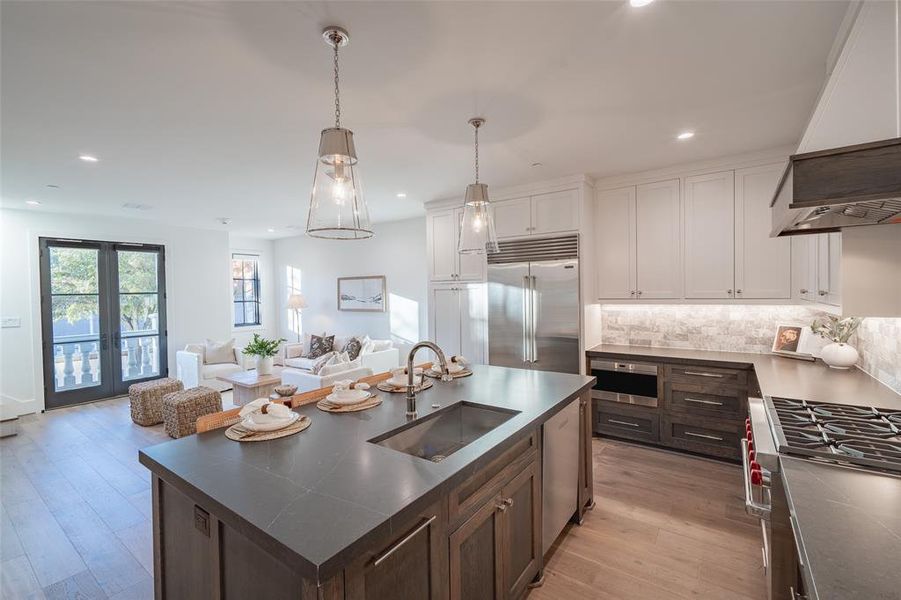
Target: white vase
x=839, y=356
x=264, y=365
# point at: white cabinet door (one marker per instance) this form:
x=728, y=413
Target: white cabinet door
x=470, y=267
x=710, y=235
x=473, y=322
x=442, y=236
x=804, y=267
x=445, y=310
x=512, y=218
x=614, y=231
x=555, y=212
x=658, y=255
x=829, y=260
x=762, y=263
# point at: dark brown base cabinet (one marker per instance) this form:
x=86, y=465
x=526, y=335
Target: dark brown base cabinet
x=482, y=540
x=700, y=408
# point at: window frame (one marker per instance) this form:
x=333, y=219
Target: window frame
x=256, y=284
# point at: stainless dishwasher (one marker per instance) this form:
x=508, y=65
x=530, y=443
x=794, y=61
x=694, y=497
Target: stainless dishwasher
x=560, y=472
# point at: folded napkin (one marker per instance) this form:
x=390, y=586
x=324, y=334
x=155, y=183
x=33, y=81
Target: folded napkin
x=275, y=410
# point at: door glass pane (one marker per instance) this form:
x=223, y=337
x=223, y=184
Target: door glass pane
x=138, y=314
x=140, y=357
x=249, y=293
x=75, y=314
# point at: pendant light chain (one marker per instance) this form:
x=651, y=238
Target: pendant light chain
x=335, y=43
x=477, y=153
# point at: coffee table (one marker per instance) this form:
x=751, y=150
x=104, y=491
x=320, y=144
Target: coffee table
x=247, y=386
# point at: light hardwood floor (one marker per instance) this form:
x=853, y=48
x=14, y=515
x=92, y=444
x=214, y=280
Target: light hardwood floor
x=75, y=519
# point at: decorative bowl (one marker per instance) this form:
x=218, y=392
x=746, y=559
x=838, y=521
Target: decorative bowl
x=285, y=390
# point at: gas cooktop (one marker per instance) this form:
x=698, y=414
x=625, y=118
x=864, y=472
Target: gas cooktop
x=864, y=436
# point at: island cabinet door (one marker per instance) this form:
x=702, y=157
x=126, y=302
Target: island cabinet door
x=411, y=562
x=475, y=555
x=521, y=531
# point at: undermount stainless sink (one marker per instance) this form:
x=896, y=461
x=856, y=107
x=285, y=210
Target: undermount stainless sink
x=443, y=432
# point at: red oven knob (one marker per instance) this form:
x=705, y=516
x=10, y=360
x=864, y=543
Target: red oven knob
x=750, y=445
x=752, y=456
x=756, y=476
x=748, y=422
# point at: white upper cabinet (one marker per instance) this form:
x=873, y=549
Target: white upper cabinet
x=445, y=263
x=829, y=258
x=804, y=267
x=762, y=264
x=458, y=319
x=513, y=218
x=555, y=212
x=658, y=256
x=710, y=235
x=614, y=233
x=444, y=305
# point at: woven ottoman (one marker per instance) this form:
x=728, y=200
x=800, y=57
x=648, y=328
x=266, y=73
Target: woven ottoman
x=147, y=399
x=181, y=409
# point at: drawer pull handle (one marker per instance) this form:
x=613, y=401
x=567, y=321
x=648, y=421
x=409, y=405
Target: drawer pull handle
x=394, y=547
x=699, y=401
x=702, y=374
x=705, y=436
x=618, y=422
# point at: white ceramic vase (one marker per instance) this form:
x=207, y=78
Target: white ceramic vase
x=839, y=356
x=264, y=365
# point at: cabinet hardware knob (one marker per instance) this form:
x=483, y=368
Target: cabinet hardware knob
x=632, y=293
x=737, y=291
x=508, y=501
x=729, y=291
x=803, y=291
x=639, y=292
x=501, y=506
x=822, y=292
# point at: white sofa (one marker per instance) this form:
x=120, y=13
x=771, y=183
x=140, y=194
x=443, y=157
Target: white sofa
x=298, y=372
x=192, y=371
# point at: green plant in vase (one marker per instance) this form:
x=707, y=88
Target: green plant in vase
x=839, y=354
x=264, y=350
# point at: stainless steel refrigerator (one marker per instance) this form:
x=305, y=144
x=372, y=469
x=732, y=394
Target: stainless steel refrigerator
x=533, y=304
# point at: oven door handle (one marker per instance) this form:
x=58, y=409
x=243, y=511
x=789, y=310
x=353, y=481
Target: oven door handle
x=753, y=508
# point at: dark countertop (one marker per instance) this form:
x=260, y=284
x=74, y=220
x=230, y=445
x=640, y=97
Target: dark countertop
x=776, y=375
x=316, y=499
x=848, y=529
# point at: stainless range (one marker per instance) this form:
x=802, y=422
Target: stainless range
x=858, y=436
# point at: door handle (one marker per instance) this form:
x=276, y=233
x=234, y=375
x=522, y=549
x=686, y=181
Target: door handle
x=104, y=341
x=526, y=319
x=395, y=546
x=532, y=303
x=117, y=340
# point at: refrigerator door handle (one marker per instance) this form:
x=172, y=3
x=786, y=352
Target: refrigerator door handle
x=533, y=302
x=526, y=319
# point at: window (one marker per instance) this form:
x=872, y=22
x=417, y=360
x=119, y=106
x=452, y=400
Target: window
x=246, y=289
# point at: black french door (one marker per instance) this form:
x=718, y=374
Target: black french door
x=103, y=318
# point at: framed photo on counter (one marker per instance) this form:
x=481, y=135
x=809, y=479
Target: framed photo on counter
x=793, y=341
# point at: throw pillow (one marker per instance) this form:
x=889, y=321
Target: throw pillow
x=380, y=345
x=352, y=348
x=294, y=351
x=321, y=344
x=339, y=367
x=321, y=362
x=219, y=352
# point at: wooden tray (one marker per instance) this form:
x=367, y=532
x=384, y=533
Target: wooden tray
x=387, y=387
x=437, y=374
x=239, y=434
x=327, y=406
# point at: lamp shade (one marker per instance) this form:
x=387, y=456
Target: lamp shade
x=297, y=301
x=477, y=234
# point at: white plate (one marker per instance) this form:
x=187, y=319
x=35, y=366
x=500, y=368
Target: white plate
x=452, y=368
x=417, y=380
x=249, y=423
x=349, y=398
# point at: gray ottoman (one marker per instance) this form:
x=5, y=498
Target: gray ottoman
x=147, y=399
x=181, y=409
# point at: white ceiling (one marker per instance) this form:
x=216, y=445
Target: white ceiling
x=202, y=109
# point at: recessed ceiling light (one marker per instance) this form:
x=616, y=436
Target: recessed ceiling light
x=135, y=206
x=536, y=164
x=32, y=203
x=224, y=220
x=271, y=230
x=53, y=186
x=88, y=158
x=686, y=135
x=640, y=3
x=401, y=194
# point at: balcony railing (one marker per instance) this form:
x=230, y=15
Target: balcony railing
x=77, y=362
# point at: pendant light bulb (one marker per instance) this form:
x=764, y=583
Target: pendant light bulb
x=477, y=234
x=337, y=208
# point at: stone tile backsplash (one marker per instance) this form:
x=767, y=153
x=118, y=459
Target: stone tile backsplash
x=744, y=328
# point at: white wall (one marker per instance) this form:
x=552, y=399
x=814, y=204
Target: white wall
x=269, y=309
x=197, y=283
x=397, y=251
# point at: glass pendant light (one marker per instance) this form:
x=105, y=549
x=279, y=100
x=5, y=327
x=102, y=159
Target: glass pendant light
x=477, y=233
x=337, y=208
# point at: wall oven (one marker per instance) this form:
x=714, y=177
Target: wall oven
x=625, y=382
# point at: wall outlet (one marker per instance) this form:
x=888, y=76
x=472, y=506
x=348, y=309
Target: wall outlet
x=7, y=322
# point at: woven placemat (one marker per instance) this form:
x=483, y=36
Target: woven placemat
x=437, y=374
x=239, y=434
x=387, y=387
x=335, y=408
